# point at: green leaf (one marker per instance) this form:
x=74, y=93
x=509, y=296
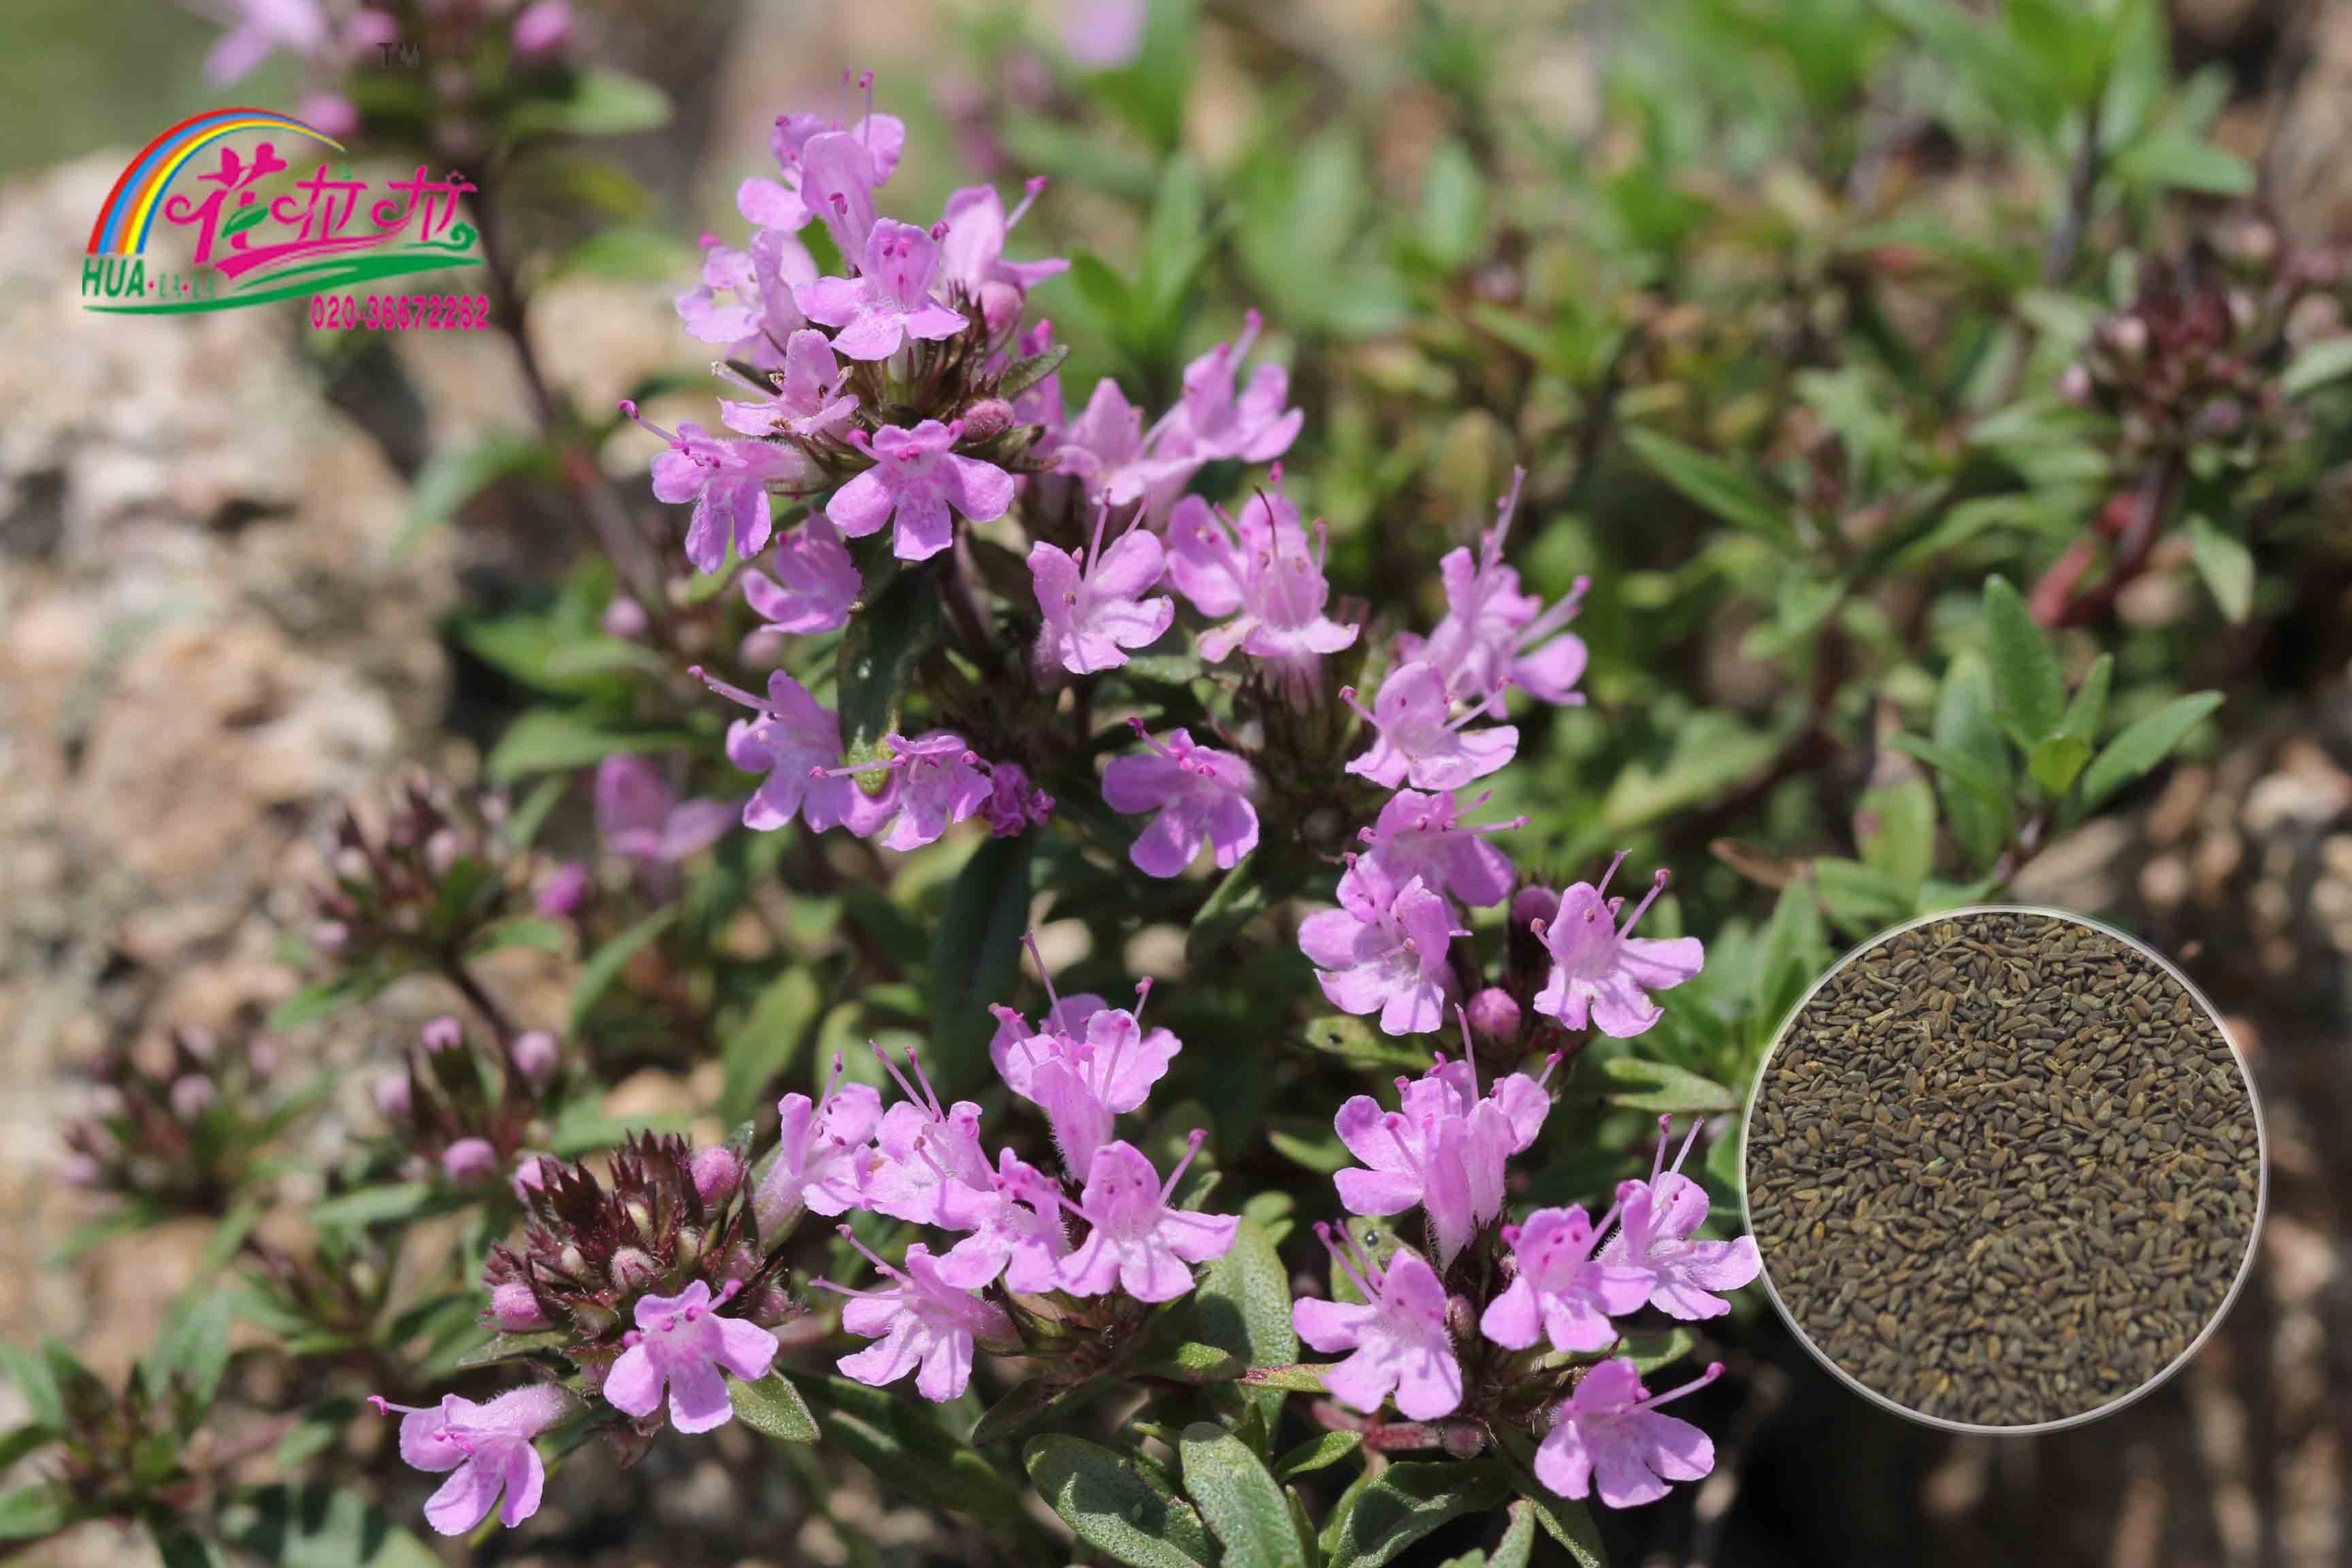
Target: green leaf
x=2143, y=744
x=627, y=253
x=2226, y=566
x=2054, y=762
x=383, y=1204
x=1294, y=1377
x=1189, y=1361
x=1405, y=1502
x=1241, y=1502
x=36, y=1383
x=1727, y=492
x=1859, y=898
x=1453, y=208
x=31, y=1512
x=1649, y=1352
x=1354, y=1040
x=773, y=1408
x=877, y=656
x=320, y=1429
x=906, y=1449
x=1241, y=1303
x=1319, y=1452
x=1796, y=949
x=2328, y=359
x=515, y=1347
x=186, y=1549
x=1518, y=1543
x=2088, y=709
x=194, y=1343
x=544, y=740
x=2029, y=690
x=1027, y=1402
x=2176, y=158
x=319, y=1527
x=600, y=103
x=1895, y=826
x=768, y=1040
x=450, y=478
x=325, y=998
x=1107, y=1501
x=604, y=966
x=1971, y=762
x=976, y=953
x=518, y=931
x=1238, y=897
x=1657, y=1085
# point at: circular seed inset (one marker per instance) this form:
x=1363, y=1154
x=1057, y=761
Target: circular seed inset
x=2004, y=1169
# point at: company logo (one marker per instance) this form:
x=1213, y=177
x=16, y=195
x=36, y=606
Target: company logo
x=246, y=230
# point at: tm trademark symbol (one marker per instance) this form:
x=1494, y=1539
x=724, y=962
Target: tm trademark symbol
x=406, y=56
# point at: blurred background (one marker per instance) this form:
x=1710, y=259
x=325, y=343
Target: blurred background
x=1825, y=241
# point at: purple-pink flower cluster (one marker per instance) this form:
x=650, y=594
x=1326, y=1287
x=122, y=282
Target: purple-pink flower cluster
x=1567, y=1276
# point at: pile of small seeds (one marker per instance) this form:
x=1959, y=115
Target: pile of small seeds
x=2002, y=1169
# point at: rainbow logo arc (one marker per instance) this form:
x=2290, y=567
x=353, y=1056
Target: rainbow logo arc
x=130, y=207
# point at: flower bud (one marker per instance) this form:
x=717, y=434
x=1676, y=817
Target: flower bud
x=393, y=1097
x=593, y=1319
x=1533, y=904
x=469, y=1160
x=515, y=1309
x=193, y=1095
x=634, y=1268
x=351, y=865
x=986, y=419
x=690, y=1246
x=625, y=617
x=528, y=1177
x=716, y=1172
x=2074, y=385
x=81, y=1171
x=563, y=890
x=536, y=1054
x=443, y=850
x=1494, y=1015
x=442, y=1034
x=543, y=28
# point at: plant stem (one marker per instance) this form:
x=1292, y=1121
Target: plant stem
x=2081, y=184
x=453, y=970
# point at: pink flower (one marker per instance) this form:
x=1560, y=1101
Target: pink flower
x=1608, y=1438
x=642, y=820
x=920, y=1322
x=515, y=1310
x=1105, y=445
x=263, y=27
x=1093, y=601
x=1384, y=949
x=927, y=1167
x=1654, y=1236
x=1138, y=1244
x=563, y=890
x=1016, y=1231
x=1399, y=1336
x=1418, y=740
x=1253, y=426
x=715, y=1171
x=536, y=1054
x=822, y=1153
x=469, y=1159
x=820, y=582
x=1493, y=633
x=826, y=170
x=1014, y=805
x=746, y=300
x=541, y=27
x=727, y=483
x=802, y=399
x=794, y=742
x=935, y=781
x=889, y=301
x=1446, y=1150
x=484, y=1447
x=1599, y=971
x=971, y=254
x=1200, y=794
x=1561, y=1292
x=1102, y=34
x=1263, y=576
x=442, y=1034
x=1420, y=836
x=329, y=112
x=920, y=480
x=685, y=1342
x=1091, y=1063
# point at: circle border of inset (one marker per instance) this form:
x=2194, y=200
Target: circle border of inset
x=2253, y=1233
